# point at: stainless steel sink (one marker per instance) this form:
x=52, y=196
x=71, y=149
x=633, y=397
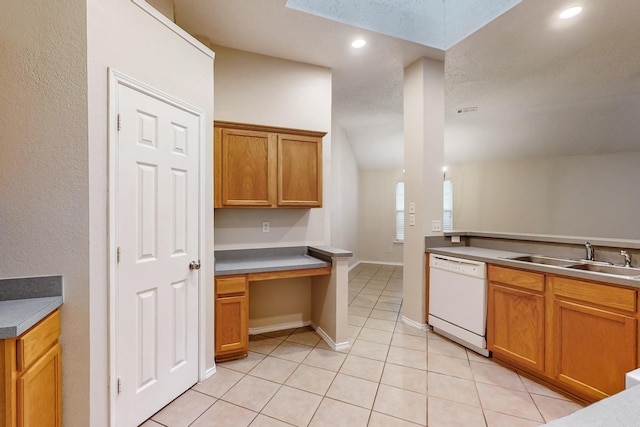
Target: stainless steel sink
x=584, y=265
x=608, y=269
x=539, y=259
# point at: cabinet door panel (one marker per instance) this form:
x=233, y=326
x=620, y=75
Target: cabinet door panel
x=515, y=327
x=39, y=392
x=247, y=161
x=232, y=329
x=299, y=171
x=594, y=348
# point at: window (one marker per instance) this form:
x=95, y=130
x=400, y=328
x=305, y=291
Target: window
x=399, y=211
x=447, y=216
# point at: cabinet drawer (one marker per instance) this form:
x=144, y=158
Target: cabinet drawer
x=594, y=293
x=518, y=278
x=37, y=340
x=231, y=285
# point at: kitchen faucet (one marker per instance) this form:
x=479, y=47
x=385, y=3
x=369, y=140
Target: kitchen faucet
x=590, y=252
x=627, y=258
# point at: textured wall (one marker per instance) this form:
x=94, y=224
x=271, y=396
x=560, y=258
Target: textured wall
x=592, y=196
x=44, y=185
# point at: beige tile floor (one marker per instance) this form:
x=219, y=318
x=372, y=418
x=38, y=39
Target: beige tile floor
x=392, y=375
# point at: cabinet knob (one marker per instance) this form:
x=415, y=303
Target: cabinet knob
x=194, y=265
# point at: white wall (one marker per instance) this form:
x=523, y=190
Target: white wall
x=593, y=196
x=377, y=206
x=258, y=89
x=53, y=179
x=123, y=36
x=345, y=189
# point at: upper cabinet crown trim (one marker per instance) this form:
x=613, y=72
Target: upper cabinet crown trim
x=272, y=129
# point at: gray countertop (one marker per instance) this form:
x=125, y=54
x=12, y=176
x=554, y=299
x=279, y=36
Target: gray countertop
x=243, y=261
x=498, y=257
x=17, y=316
x=620, y=410
x=27, y=300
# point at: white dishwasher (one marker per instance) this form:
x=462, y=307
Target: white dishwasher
x=458, y=301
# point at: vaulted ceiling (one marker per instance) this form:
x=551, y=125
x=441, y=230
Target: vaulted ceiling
x=526, y=84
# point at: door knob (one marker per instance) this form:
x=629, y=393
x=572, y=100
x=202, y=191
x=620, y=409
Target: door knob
x=194, y=265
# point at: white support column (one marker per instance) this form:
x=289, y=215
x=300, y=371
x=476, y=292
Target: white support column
x=423, y=161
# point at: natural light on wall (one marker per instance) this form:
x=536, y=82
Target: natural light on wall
x=399, y=211
x=447, y=214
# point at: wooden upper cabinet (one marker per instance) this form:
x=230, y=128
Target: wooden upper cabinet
x=299, y=171
x=258, y=166
x=246, y=166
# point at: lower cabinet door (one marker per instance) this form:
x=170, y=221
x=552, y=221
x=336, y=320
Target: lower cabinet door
x=39, y=392
x=515, y=325
x=232, y=329
x=593, y=348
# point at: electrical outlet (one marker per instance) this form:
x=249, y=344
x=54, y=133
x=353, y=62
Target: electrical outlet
x=265, y=226
x=412, y=220
x=436, y=225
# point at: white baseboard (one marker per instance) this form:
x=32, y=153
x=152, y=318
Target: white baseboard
x=397, y=264
x=421, y=326
x=209, y=373
x=280, y=327
x=292, y=325
x=334, y=346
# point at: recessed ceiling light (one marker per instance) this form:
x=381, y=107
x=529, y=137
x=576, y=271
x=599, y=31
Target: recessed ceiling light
x=358, y=43
x=571, y=12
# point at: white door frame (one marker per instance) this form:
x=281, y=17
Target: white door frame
x=117, y=78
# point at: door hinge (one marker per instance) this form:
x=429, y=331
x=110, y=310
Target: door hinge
x=119, y=124
x=118, y=254
x=119, y=386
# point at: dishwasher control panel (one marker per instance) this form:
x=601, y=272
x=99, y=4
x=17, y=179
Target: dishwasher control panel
x=458, y=265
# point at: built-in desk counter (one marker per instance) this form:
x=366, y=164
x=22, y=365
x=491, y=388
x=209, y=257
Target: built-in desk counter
x=270, y=263
x=326, y=267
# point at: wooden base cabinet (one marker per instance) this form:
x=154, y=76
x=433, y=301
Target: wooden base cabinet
x=594, y=336
x=516, y=313
x=577, y=335
x=266, y=167
x=31, y=393
x=232, y=318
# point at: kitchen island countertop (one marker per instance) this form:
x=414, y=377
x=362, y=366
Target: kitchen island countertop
x=620, y=410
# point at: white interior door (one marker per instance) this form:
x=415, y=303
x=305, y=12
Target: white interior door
x=157, y=238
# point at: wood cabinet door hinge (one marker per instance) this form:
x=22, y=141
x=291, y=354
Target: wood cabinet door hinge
x=119, y=123
x=118, y=254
